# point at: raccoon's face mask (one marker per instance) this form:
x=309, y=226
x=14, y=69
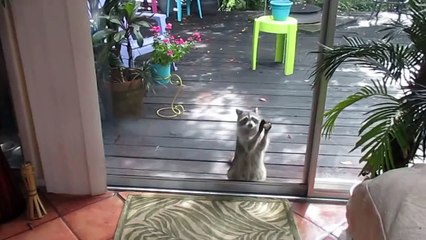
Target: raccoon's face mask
x=247, y=121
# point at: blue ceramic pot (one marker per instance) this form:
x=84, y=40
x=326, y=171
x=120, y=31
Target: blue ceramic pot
x=280, y=9
x=161, y=73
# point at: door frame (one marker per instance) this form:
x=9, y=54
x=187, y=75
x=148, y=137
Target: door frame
x=327, y=34
x=55, y=97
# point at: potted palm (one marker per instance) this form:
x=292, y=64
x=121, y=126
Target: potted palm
x=168, y=49
x=394, y=130
x=115, y=28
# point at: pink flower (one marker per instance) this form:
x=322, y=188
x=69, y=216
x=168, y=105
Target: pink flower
x=155, y=29
x=169, y=53
x=179, y=41
x=169, y=26
x=197, y=36
x=172, y=37
x=190, y=39
x=166, y=41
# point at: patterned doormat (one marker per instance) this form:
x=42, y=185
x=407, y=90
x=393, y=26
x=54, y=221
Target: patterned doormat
x=167, y=217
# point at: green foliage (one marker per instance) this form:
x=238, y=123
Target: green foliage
x=394, y=131
x=168, y=53
x=351, y=5
x=344, y=5
x=230, y=5
x=168, y=48
x=114, y=25
x=123, y=25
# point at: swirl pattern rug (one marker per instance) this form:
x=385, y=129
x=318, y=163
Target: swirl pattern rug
x=173, y=217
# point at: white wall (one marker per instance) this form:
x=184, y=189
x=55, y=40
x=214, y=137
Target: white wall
x=58, y=67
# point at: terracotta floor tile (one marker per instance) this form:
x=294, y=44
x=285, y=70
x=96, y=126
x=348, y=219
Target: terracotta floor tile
x=96, y=221
x=53, y=230
x=13, y=227
x=126, y=194
x=21, y=223
x=339, y=230
x=329, y=237
x=68, y=203
x=327, y=216
x=308, y=230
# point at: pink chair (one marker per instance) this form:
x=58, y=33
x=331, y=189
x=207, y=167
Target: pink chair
x=146, y=4
x=154, y=6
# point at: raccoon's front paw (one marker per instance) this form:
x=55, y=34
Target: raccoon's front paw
x=267, y=126
x=262, y=125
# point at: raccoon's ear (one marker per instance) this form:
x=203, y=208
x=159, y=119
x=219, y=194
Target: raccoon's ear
x=238, y=111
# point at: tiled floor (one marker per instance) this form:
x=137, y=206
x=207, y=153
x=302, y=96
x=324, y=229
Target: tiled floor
x=95, y=218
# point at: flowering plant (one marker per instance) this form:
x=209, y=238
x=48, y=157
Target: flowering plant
x=168, y=48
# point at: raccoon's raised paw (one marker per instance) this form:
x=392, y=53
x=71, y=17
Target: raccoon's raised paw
x=262, y=125
x=267, y=126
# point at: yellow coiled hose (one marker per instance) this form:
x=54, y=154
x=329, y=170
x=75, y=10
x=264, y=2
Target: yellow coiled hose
x=175, y=109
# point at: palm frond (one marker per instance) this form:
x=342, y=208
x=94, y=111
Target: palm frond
x=387, y=58
x=380, y=132
x=393, y=29
x=415, y=26
x=393, y=133
x=414, y=108
x=377, y=133
x=376, y=90
x=417, y=30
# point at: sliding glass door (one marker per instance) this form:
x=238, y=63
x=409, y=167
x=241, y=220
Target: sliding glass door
x=181, y=132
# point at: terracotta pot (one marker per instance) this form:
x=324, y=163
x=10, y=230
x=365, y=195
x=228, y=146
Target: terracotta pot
x=127, y=98
x=12, y=202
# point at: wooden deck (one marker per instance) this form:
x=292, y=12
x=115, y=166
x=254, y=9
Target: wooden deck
x=218, y=79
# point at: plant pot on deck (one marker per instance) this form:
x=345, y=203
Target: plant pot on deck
x=280, y=9
x=161, y=73
x=127, y=98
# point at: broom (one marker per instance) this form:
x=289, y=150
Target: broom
x=35, y=208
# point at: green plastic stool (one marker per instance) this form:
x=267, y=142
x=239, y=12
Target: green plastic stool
x=285, y=42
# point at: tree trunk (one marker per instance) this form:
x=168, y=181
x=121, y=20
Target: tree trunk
x=12, y=202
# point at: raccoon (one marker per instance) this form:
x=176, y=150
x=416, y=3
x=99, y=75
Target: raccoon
x=252, y=142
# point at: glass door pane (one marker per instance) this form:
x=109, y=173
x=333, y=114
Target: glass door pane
x=194, y=151
x=338, y=167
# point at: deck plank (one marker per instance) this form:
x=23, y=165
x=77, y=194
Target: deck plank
x=203, y=170
x=213, y=155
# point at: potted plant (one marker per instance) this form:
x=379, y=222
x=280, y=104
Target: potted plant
x=115, y=28
x=168, y=49
x=394, y=130
x=280, y=9
x=96, y=9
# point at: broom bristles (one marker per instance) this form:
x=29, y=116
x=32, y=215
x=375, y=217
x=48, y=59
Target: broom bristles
x=35, y=208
